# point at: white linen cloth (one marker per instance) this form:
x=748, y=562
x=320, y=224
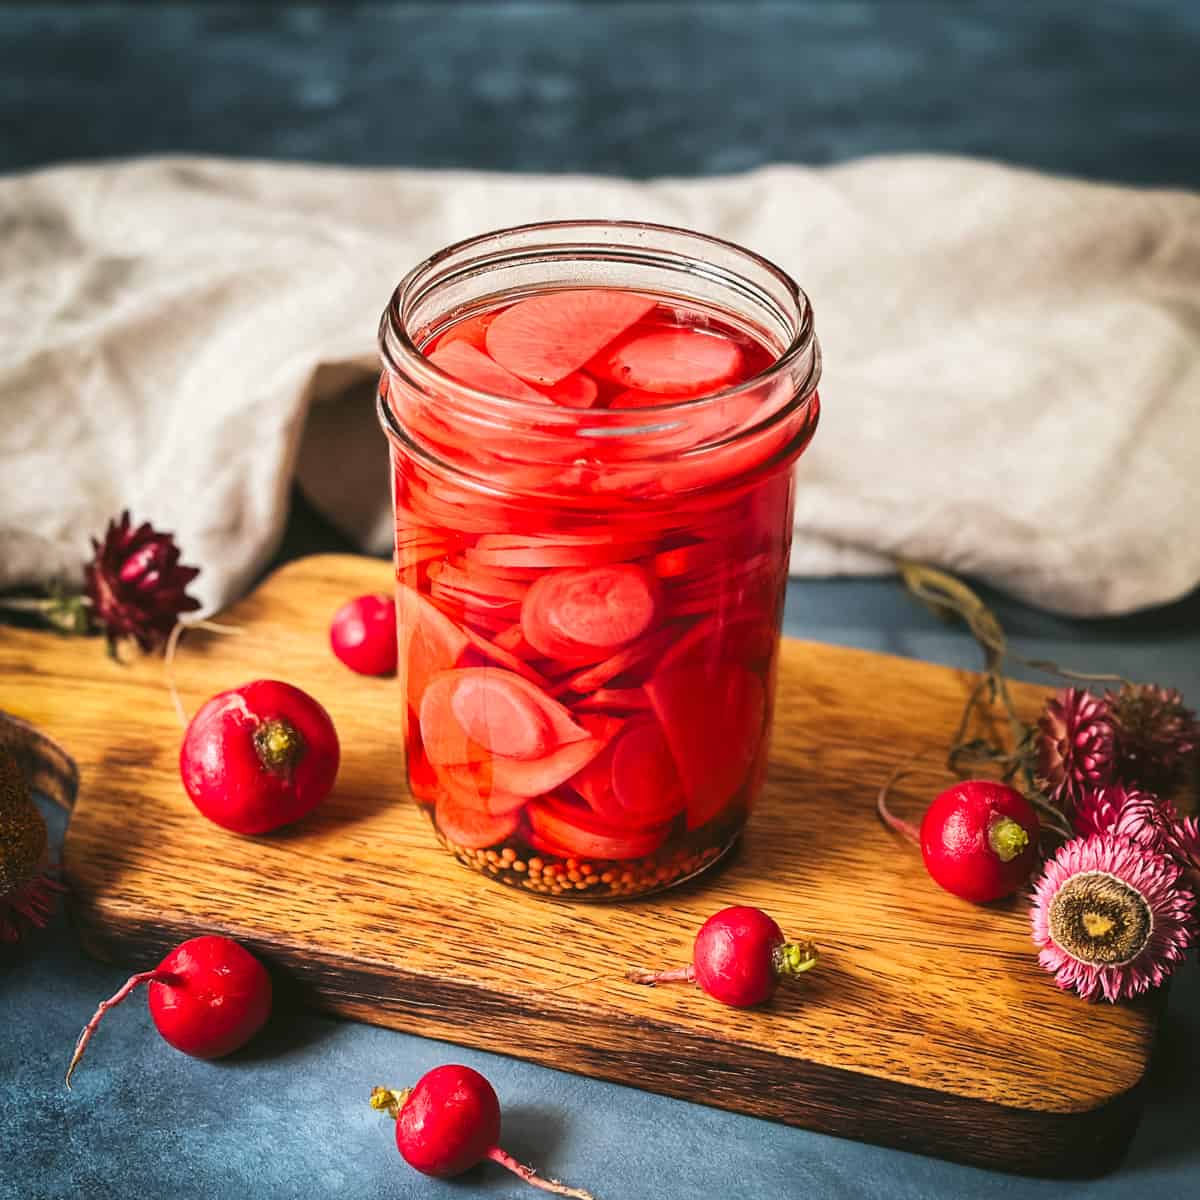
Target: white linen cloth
x=1012, y=362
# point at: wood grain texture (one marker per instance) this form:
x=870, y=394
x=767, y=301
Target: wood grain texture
x=927, y=1025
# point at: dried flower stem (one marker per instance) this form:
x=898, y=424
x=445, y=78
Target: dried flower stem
x=949, y=597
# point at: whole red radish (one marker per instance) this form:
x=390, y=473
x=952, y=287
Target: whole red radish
x=979, y=840
x=207, y=998
x=363, y=635
x=258, y=757
x=449, y=1122
x=739, y=958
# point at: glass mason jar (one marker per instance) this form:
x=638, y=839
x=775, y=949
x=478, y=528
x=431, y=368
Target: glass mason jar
x=589, y=598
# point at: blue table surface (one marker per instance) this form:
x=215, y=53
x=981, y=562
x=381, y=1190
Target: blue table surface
x=638, y=89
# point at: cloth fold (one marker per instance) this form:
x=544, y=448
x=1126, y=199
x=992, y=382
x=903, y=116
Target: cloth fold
x=1012, y=362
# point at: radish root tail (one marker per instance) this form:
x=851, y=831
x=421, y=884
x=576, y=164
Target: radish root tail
x=530, y=1176
x=905, y=829
x=134, y=981
x=652, y=978
x=172, y=648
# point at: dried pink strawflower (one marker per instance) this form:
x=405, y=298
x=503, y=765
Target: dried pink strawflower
x=1184, y=843
x=1111, y=918
x=1074, y=746
x=1154, y=734
x=135, y=585
x=1129, y=812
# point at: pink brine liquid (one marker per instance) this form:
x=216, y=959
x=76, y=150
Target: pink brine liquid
x=588, y=650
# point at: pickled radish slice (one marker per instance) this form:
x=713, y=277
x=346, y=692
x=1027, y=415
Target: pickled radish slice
x=545, y=846
x=498, y=715
x=510, y=550
x=473, y=331
x=633, y=783
x=578, y=390
x=468, y=712
x=644, y=780
x=583, y=834
x=604, y=700
x=498, y=654
x=471, y=828
x=713, y=723
x=594, y=782
x=545, y=338
x=683, y=560
x=473, y=367
x=570, y=613
x=672, y=361
x=471, y=786
x=544, y=775
x=422, y=779
x=513, y=640
x=744, y=637
x=632, y=656
x=477, y=583
x=429, y=641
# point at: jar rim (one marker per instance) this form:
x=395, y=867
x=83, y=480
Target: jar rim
x=402, y=356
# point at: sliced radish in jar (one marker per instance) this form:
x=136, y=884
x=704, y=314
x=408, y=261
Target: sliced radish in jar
x=545, y=338
x=498, y=715
x=577, y=390
x=713, y=723
x=604, y=700
x=633, y=783
x=496, y=653
x=513, y=641
x=583, y=834
x=422, y=779
x=477, y=583
x=576, y=613
x=743, y=637
x=635, y=655
x=429, y=641
x=673, y=362
x=490, y=709
x=644, y=780
x=545, y=846
x=471, y=786
x=697, y=556
x=471, y=828
x=474, y=368
x=511, y=550
x=472, y=331
x=544, y=775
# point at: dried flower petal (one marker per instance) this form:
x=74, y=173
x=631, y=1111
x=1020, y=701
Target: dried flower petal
x=135, y=584
x=1127, y=812
x=1154, y=734
x=1111, y=918
x=1073, y=744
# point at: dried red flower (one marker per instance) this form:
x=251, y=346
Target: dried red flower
x=1154, y=734
x=1074, y=746
x=135, y=585
x=1127, y=812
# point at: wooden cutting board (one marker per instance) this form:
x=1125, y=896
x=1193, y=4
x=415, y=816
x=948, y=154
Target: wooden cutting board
x=928, y=1024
